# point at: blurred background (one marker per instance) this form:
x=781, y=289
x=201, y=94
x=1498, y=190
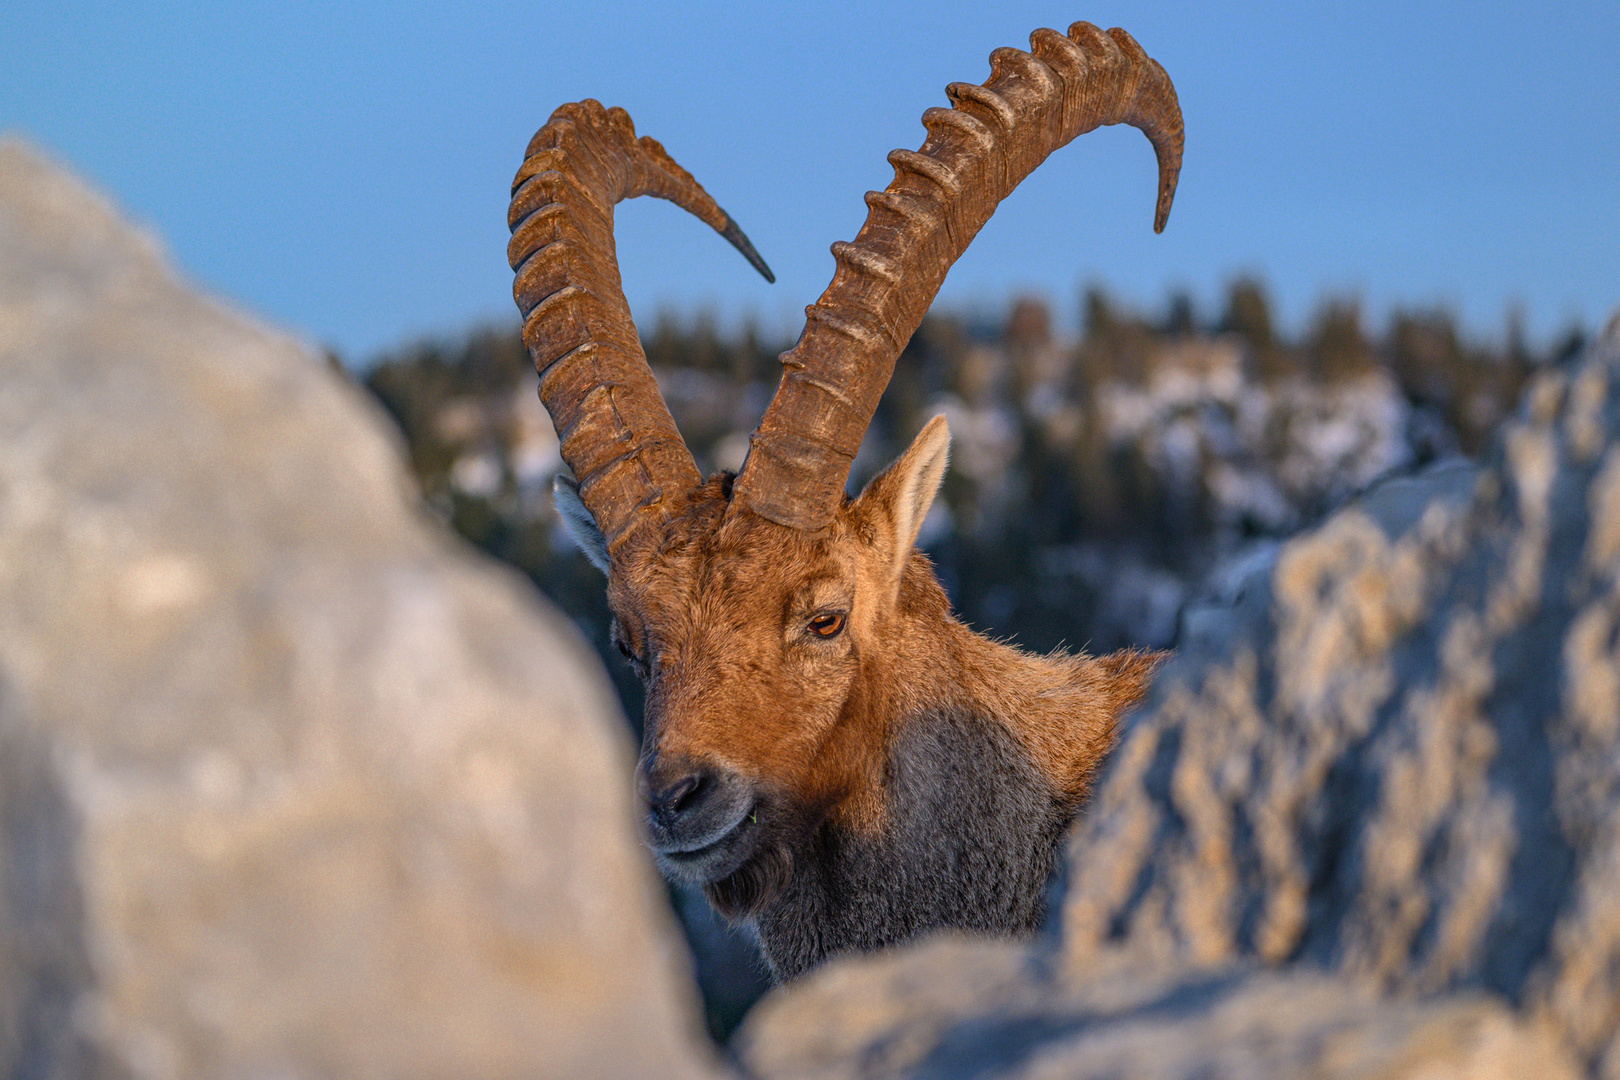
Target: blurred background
x=1388, y=221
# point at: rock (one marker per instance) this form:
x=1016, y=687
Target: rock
x=1367, y=823
x=290, y=783
x=961, y=1009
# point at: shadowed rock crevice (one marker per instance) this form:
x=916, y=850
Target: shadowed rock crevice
x=41, y=915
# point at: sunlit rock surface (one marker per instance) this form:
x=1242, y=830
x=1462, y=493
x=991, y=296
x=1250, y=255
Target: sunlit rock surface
x=1368, y=823
x=289, y=785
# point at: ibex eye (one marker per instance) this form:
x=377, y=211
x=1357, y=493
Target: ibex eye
x=624, y=649
x=828, y=624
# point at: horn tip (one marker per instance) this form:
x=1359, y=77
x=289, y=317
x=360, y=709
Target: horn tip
x=1167, y=196
x=739, y=240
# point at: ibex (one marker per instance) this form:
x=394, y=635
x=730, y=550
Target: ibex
x=828, y=752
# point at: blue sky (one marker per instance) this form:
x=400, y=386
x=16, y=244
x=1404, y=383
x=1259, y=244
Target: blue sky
x=343, y=169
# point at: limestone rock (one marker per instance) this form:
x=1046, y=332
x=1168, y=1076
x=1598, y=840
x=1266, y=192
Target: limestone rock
x=1367, y=824
x=1398, y=758
x=964, y=1009
x=290, y=785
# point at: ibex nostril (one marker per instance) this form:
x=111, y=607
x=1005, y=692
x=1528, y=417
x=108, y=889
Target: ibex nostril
x=681, y=795
x=691, y=789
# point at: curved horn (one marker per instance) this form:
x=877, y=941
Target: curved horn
x=616, y=431
x=974, y=155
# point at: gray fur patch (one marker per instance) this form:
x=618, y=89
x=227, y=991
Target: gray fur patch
x=972, y=838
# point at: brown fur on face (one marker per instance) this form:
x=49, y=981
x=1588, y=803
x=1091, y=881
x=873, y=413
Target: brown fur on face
x=716, y=610
x=716, y=621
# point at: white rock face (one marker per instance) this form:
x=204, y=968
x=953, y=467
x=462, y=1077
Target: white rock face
x=290, y=785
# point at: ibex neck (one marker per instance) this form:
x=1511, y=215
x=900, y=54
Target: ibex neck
x=967, y=839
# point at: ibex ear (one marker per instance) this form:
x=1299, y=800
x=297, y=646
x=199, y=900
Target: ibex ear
x=578, y=521
x=899, y=496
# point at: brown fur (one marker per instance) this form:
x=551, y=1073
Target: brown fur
x=714, y=608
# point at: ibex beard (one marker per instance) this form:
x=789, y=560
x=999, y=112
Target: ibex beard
x=828, y=752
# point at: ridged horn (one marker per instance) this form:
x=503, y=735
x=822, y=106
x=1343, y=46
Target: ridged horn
x=615, y=428
x=975, y=154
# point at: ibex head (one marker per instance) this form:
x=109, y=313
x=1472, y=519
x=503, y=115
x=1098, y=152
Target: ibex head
x=781, y=628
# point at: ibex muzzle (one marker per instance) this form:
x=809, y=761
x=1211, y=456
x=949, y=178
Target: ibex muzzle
x=827, y=751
